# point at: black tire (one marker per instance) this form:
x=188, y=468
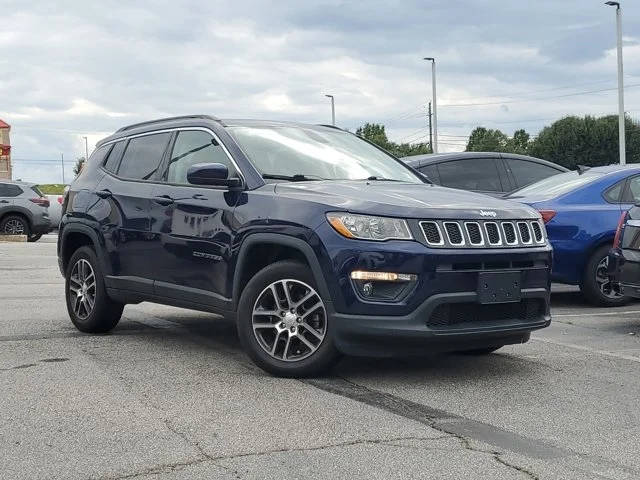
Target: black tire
x=481, y=351
x=320, y=360
x=35, y=237
x=11, y=222
x=105, y=313
x=591, y=289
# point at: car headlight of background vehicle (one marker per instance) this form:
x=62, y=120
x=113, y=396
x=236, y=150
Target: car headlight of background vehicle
x=366, y=227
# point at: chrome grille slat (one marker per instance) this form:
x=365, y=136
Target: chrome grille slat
x=454, y=233
x=474, y=233
x=482, y=233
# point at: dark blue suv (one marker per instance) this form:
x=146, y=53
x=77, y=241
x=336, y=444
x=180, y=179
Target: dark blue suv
x=315, y=241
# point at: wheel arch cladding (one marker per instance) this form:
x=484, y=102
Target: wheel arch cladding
x=76, y=236
x=259, y=250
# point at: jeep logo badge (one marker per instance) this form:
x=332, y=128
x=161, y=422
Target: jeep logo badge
x=488, y=213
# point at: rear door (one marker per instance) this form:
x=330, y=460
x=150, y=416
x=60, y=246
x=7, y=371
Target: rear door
x=128, y=189
x=474, y=174
x=6, y=198
x=192, y=225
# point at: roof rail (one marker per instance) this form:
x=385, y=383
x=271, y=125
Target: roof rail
x=151, y=122
x=330, y=126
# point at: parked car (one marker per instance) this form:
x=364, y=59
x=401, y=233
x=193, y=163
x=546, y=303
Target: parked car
x=55, y=209
x=23, y=210
x=581, y=211
x=485, y=172
x=315, y=241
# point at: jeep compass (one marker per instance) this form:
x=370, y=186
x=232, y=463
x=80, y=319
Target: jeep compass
x=314, y=241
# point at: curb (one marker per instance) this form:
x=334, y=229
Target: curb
x=13, y=238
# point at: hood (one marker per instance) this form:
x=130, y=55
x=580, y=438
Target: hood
x=407, y=200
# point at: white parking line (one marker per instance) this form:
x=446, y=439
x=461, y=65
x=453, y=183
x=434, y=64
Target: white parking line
x=621, y=356
x=597, y=314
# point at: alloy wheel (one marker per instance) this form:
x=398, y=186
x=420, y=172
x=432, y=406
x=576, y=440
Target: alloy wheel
x=82, y=289
x=289, y=320
x=14, y=227
x=602, y=279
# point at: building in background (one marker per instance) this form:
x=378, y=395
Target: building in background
x=5, y=151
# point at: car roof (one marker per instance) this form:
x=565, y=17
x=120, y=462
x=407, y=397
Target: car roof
x=200, y=120
x=429, y=158
x=615, y=168
x=18, y=182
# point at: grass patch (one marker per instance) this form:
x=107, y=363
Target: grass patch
x=52, y=188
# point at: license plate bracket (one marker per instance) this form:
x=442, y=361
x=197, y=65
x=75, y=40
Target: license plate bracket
x=499, y=287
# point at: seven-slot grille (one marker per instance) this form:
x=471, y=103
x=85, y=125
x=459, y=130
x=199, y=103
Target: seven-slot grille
x=481, y=233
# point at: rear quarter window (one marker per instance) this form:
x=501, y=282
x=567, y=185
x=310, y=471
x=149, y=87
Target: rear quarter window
x=9, y=190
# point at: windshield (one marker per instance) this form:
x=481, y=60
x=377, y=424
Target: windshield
x=556, y=184
x=299, y=153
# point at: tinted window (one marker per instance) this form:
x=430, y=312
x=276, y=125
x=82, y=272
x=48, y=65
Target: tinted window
x=431, y=171
x=142, y=156
x=191, y=147
x=632, y=195
x=613, y=194
x=114, y=157
x=471, y=174
x=526, y=172
x=8, y=190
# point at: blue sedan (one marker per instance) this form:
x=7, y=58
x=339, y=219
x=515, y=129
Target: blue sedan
x=581, y=211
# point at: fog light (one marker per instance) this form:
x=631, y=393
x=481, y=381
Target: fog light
x=367, y=289
x=383, y=276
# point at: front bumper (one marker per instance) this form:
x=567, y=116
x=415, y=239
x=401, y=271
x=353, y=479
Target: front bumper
x=424, y=331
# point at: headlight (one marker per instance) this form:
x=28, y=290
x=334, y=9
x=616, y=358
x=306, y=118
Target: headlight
x=366, y=227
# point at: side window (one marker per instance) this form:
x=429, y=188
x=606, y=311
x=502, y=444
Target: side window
x=612, y=195
x=632, y=195
x=8, y=190
x=191, y=147
x=431, y=171
x=142, y=156
x=526, y=172
x=471, y=174
x=111, y=165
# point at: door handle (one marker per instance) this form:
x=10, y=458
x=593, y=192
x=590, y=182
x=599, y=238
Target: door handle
x=4, y=201
x=163, y=200
x=103, y=193
x=199, y=196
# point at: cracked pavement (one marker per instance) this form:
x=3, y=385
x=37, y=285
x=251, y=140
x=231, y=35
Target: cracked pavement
x=170, y=395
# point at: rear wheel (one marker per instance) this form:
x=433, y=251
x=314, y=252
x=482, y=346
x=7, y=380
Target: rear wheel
x=35, y=237
x=89, y=307
x=596, y=287
x=14, y=225
x=283, y=324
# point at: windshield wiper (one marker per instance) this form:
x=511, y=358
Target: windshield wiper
x=381, y=179
x=298, y=177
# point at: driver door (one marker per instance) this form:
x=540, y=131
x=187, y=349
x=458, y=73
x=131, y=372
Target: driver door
x=192, y=225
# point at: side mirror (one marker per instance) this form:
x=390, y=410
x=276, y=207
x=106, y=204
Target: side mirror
x=211, y=174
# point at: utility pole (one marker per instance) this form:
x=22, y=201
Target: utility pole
x=621, y=126
x=435, y=103
x=86, y=149
x=430, y=130
x=333, y=110
x=62, y=161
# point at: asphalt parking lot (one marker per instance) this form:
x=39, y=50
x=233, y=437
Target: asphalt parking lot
x=170, y=395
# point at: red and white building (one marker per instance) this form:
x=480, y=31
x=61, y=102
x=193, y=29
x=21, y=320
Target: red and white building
x=5, y=151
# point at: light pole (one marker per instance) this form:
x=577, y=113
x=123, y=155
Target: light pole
x=333, y=110
x=434, y=147
x=621, y=134
x=86, y=149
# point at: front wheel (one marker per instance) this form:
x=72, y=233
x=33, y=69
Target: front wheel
x=596, y=287
x=283, y=323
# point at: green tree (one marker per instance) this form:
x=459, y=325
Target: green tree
x=375, y=133
x=78, y=166
x=519, y=143
x=487, y=140
x=586, y=140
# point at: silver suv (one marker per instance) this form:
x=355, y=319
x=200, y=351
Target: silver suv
x=23, y=210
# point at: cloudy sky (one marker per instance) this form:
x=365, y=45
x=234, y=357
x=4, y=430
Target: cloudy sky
x=70, y=69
